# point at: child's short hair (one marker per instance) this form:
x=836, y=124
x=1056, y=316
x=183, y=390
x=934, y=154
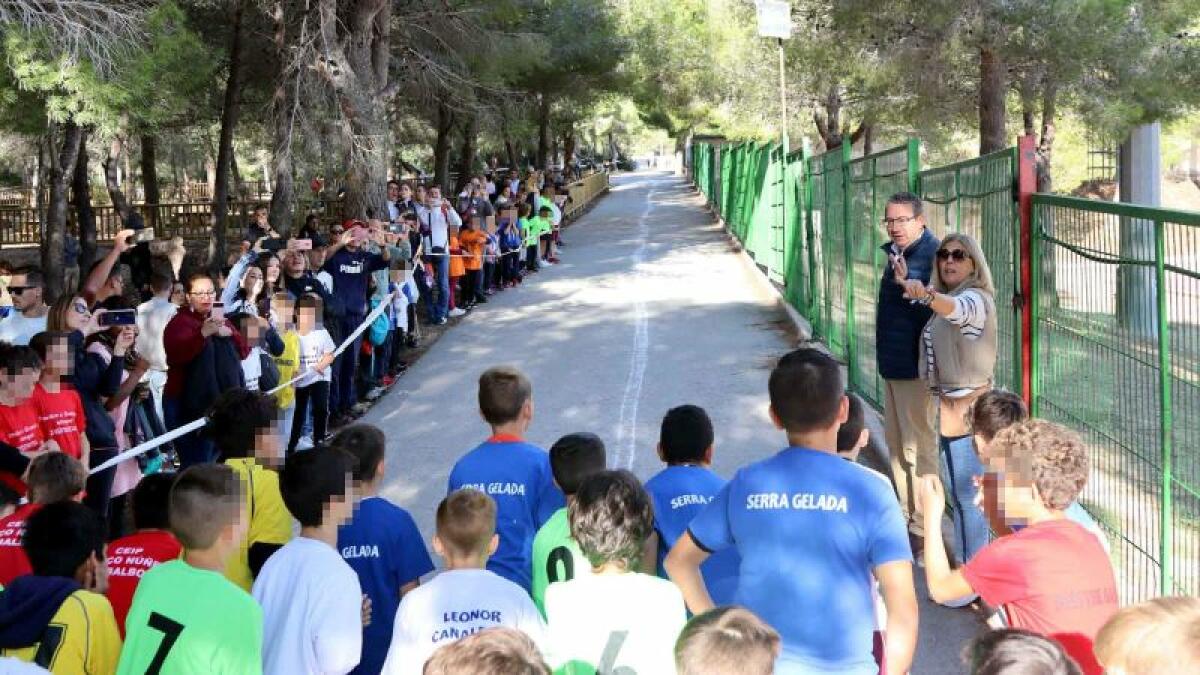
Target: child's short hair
x=18, y=358
x=492, y=651
x=41, y=342
x=1044, y=454
x=55, y=477
x=237, y=417
x=309, y=301
x=996, y=410
x=544, y=211
x=365, y=443
x=575, y=457
x=851, y=430
x=611, y=517
x=1158, y=636
x=726, y=641
x=62, y=536
x=503, y=390
x=806, y=390
x=1013, y=650
x=686, y=434
x=152, y=502
x=524, y=210
x=466, y=521
x=311, y=480
x=204, y=500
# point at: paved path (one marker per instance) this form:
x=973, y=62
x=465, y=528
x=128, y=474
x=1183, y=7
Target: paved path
x=649, y=310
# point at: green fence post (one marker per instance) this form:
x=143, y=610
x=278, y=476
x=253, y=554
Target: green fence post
x=1035, y=309
x=1166, y=580
x=914, y=166
x=806, y=187
x=847, y=216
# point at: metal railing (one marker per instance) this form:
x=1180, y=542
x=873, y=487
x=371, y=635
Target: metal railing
x=1116, y=335
x=1099, y=313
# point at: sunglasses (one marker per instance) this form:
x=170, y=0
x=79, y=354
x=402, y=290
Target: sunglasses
x=958, y=255
x=80, y=308
x=17, y=290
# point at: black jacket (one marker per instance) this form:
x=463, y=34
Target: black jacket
x=898, y=322
x=217, y=369
x=93, y=379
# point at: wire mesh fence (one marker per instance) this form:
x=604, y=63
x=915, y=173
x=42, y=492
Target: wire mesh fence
x=1115, y=335
x=1117, y=357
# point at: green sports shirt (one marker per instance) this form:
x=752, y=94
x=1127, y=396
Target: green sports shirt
x=556, y=557
x=188, y=621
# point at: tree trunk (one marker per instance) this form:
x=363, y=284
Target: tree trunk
x=85, y=215
x=112, y=180
x=441, y=147
x=229, y=111
x=1045, y=147
x=510, y=149
x=569, y=146
x=354, y=58
x=240, y=192
x=466, y=164
x=283, y=108
x=150, y=173
x=992, y=90
x=868, y=138
x=543, y=139
x=62, y=165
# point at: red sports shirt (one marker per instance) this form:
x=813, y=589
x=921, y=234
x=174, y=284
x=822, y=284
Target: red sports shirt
x=19, y=427
x=1052, y=578
x=13, y=561
x=60, y=416
x=128, y=559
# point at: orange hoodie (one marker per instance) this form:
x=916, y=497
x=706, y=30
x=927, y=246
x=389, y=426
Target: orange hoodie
x=473, y=242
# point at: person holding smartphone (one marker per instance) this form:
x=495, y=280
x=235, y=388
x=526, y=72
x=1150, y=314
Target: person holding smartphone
x=435, y=219
x=204, y=358
x=350, y=265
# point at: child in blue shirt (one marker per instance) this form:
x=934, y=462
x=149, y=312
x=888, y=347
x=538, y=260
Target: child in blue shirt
x=683, y=489
x=514, y=473
x=811, y=529
x=381, y=544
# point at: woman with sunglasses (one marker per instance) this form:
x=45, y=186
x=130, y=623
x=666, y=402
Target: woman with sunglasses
x=958, y=361
x=96, y=379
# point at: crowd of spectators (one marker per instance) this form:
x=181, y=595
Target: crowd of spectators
x=270, y=549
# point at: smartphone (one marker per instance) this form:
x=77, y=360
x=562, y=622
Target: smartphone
x=273, y=244
x=218, y=310
x=119, y=317
x=300, y=244
x=144, y=235
x=360, y=234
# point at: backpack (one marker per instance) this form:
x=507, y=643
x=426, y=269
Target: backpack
x=378, y=332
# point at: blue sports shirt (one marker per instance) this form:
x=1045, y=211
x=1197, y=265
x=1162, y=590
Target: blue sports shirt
x=385, y=549
x=679, y=494
x=517, y=475
x=810, y=528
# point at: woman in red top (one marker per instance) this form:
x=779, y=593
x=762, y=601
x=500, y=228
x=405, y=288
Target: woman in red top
x=185, y=338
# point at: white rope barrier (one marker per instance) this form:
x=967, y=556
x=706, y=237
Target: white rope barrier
x=196, y=425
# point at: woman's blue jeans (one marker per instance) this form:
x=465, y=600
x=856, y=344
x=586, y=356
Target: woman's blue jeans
x=960, y=467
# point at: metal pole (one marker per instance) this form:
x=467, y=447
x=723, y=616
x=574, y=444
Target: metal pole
x=1165, y=535
x=783, y=169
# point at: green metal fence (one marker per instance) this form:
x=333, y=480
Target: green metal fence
x=1114, y=339
x=1116, y=336
x=978, y=197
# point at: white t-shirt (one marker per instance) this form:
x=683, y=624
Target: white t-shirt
x=18, y=330
x=152, y=319
x=252, y=368
x=312, y=611
x=455, y=604
x=312, y=347
x=615, y=620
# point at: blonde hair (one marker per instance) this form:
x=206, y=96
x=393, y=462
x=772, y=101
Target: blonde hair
x=1158, y=636
x=980, y=278
x=466, y=521
x=726, y=641
x=494, y=651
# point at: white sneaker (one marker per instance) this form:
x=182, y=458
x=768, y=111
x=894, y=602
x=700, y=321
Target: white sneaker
x=458, y=311
x=305, y=443
x=375, y=393
x=547, y=262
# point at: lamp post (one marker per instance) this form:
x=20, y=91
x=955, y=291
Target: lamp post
x=775, y=20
